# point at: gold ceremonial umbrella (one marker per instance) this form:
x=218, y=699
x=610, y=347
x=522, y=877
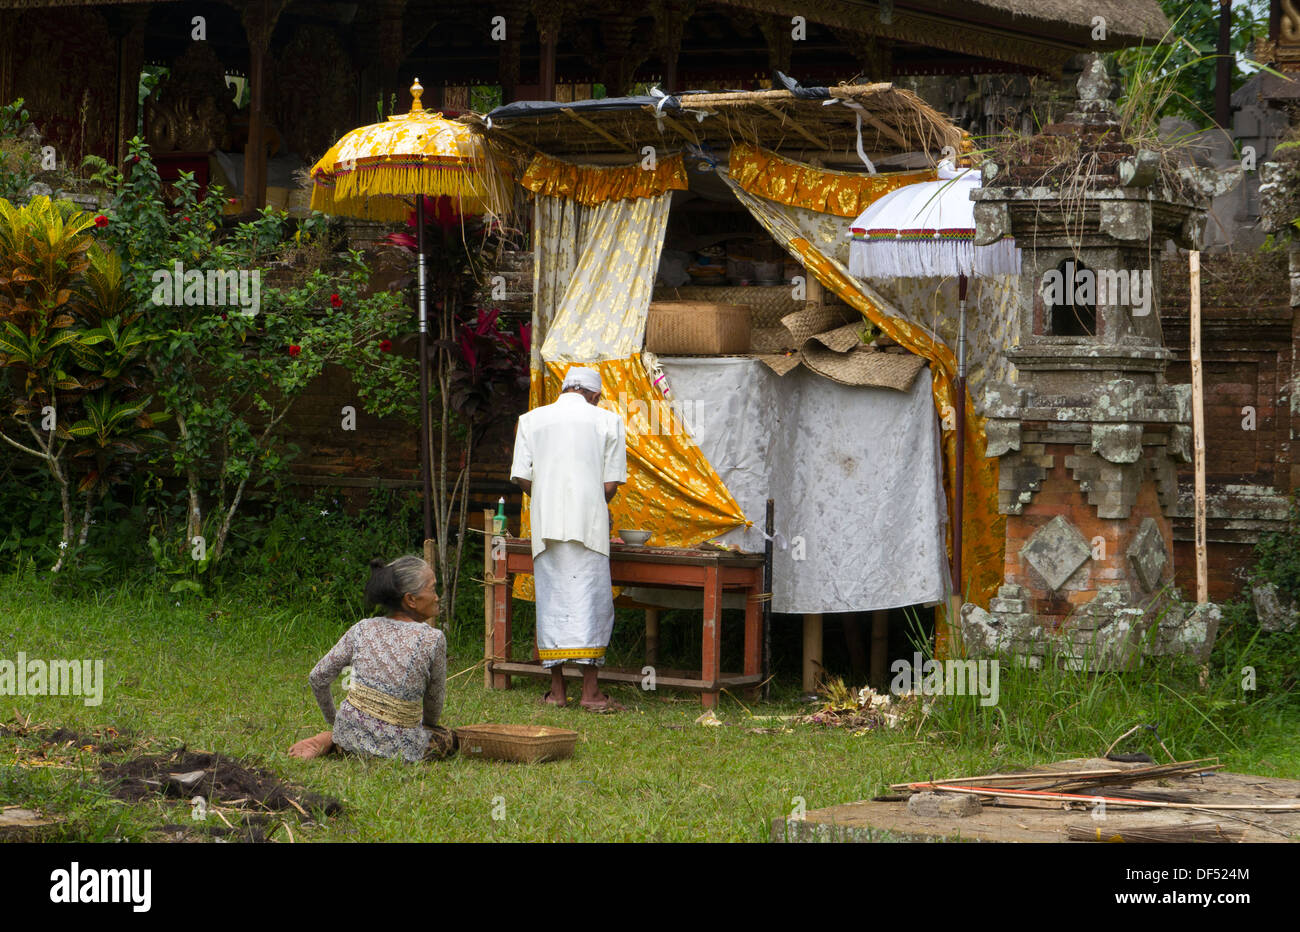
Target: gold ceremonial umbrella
x=376, y=171
x=372, y=171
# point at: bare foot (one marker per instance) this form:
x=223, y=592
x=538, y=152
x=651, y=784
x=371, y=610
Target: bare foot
x=549, y=699
x=601, y=703
x=315, y=746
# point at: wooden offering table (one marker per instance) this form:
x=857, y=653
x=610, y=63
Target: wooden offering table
x=713, y=572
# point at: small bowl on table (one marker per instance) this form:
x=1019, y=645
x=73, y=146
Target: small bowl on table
x=635, y=538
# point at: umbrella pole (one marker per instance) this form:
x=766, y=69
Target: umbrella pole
x=426, y=464
x=960, y=485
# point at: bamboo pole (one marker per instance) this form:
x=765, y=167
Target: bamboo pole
x=487, y=595
x=1198, y=427
x=1155, y=770
x=812, y=650
x=879, y=650
x=1114, y=801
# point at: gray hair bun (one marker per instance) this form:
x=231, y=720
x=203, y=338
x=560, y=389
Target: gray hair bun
x=389, y=582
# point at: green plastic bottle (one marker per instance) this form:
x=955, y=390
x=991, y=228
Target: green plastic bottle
x=499, y=520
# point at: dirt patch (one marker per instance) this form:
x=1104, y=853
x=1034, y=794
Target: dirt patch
x=103, y=741
x=184, y=774
x=251, y=828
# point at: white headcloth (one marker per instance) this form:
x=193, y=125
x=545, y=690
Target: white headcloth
x=582, y=377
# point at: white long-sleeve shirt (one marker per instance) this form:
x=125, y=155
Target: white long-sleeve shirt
x=569, y=449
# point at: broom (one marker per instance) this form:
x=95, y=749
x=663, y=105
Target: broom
x=1191, y=832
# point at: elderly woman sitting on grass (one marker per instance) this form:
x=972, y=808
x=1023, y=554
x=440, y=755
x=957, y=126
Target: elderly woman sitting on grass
x=399, y=673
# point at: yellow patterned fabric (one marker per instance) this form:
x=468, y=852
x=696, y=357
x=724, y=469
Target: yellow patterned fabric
x=984, y=537
x=672, y=490
x=607, y=296
x=371, y=171
x=843, y=194
x=558, y=232
x=595, y=184
x=593, y=273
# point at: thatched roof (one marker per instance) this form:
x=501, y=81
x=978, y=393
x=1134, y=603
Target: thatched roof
x=975, y=22
x=50, y=4
x=893, y=121
x=1125, y=19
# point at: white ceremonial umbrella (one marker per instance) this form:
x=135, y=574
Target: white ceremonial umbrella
x=927, y=230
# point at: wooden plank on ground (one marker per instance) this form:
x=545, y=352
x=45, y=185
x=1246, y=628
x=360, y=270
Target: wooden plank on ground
x=1049, y=822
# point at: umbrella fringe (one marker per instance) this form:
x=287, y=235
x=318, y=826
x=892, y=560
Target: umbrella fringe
x=940, y=258
x=407, y=181
x=383, y=209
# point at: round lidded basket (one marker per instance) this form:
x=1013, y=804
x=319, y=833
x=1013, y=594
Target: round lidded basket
x=524, y=744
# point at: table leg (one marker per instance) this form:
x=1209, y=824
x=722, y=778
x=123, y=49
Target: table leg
x=489, y=596
x=753, y=637
x=711, y=647
x=501, y=620
x=651, y=636
x=880, y=650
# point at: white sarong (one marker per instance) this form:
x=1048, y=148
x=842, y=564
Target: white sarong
x=575, y=603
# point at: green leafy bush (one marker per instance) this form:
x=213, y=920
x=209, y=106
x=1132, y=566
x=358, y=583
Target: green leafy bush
x=72, y=351
x=230, y=369
x=19, y=158
x=315, y=550
x=1278, y=555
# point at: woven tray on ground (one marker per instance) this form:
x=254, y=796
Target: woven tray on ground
x=524, y=744
x=686, y=328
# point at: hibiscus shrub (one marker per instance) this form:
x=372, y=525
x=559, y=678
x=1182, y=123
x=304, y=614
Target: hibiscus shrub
x=238, y=329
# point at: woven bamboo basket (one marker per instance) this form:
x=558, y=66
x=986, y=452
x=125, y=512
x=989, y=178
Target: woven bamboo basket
x=524, y=744
x=766, y=305
x=697, y=328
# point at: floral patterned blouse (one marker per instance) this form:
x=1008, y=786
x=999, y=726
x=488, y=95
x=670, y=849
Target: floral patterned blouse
x=405, y=659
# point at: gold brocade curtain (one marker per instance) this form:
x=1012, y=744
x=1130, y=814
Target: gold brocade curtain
x=593, y=184
x=983, y=542
x=843, y=194
x=672, y=490
x=593, y=274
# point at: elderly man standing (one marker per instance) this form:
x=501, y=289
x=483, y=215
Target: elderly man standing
x=571, y=457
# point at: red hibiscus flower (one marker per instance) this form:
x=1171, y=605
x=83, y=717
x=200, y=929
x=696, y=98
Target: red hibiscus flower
x=385, y=346
x=101, y=221
x=405, y=240
x=294, y=349
x=439, y=211
x=335, y=300
x=186, y=219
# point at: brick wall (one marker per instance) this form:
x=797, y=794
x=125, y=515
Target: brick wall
x=385, y=452
x=1060, y=493
x=1250, y=337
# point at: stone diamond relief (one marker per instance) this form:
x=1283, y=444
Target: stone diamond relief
x=1147, y=554
x=1056, y=550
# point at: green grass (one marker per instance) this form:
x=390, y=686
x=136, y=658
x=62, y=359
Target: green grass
x=230, y=675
